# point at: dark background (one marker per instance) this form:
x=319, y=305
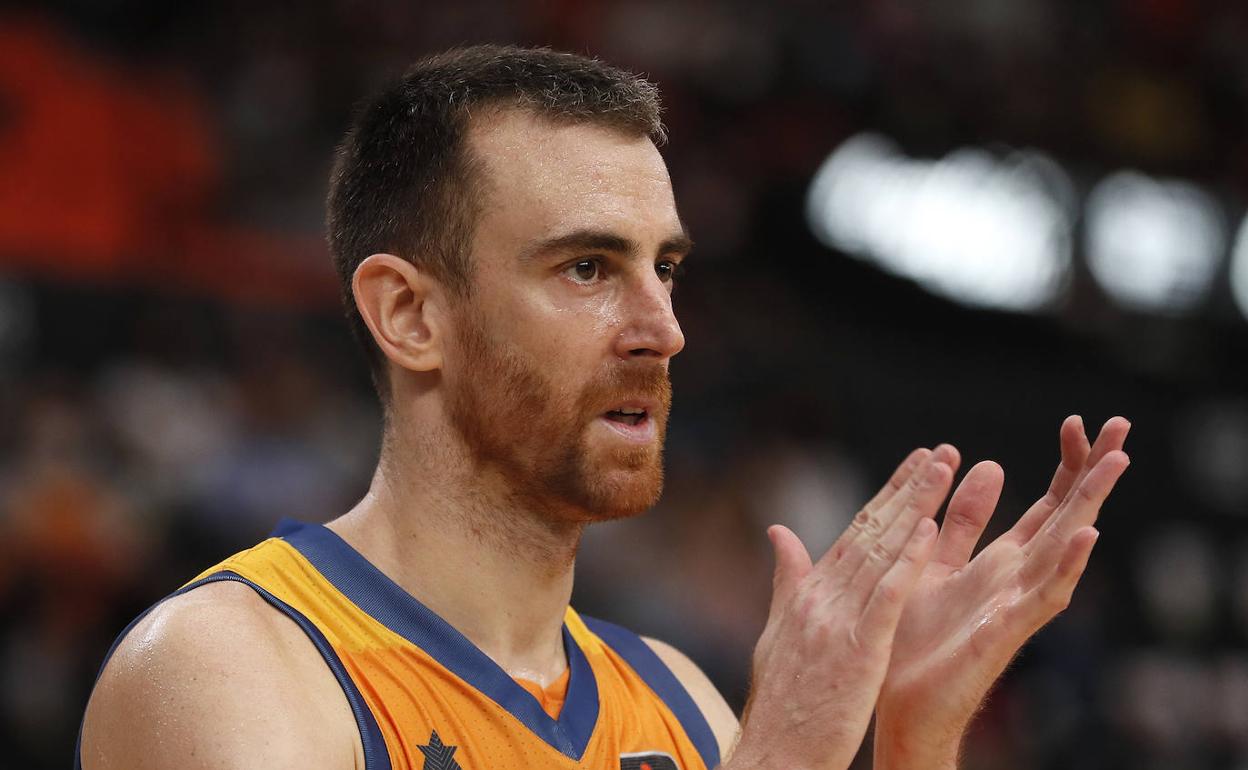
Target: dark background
x=175, y=374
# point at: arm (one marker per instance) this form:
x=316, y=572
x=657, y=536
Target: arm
x=216, y=679
x=967, y=618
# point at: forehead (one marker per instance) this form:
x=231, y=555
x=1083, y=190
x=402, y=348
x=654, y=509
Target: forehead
x=543, y=178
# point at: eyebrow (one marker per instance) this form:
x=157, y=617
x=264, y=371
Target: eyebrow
x=604, y=240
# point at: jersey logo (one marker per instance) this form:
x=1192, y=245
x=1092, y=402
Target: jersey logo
x=439, y=756
x=648, y=760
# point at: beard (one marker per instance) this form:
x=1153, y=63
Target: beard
x=537, y=433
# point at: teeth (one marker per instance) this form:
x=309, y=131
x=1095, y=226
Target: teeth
x=631, y=411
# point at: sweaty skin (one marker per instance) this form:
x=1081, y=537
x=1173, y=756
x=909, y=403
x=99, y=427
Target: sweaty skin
x=572, y=265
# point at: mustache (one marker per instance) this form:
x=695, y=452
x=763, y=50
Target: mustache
x=622, y=383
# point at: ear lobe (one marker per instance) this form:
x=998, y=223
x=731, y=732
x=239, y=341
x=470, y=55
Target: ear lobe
x=394, y=299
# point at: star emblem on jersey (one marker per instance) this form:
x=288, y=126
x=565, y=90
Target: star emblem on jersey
x=439, y=756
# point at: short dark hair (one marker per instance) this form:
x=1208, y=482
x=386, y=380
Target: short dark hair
x=403, y=181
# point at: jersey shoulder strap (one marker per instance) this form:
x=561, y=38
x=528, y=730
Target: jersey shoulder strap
x=655, y=673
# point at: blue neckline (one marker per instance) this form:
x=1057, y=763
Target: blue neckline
x=383, y=599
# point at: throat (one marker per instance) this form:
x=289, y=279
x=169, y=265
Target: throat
x=499, y=575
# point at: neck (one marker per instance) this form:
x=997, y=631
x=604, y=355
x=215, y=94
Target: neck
x=492, y=565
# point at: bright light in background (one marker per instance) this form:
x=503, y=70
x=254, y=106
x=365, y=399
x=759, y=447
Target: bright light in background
x=1154, y=245
x=1239, y=268
x=978, y=229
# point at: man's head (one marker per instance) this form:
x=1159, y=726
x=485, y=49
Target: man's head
x=506, y=235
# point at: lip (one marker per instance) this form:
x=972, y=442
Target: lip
x=641, y=433
x=649, y=405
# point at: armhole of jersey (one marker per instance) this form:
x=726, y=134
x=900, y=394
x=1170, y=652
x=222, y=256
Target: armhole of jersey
x=651, y=668
x=376, y=756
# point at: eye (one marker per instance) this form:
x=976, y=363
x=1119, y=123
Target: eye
x=668, y=270
x=584, y=270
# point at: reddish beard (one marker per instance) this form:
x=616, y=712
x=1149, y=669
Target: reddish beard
x=514, y=420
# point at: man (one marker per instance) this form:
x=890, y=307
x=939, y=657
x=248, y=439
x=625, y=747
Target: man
x=507, y=238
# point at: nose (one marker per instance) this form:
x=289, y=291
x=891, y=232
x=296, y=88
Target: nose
x=649, y=329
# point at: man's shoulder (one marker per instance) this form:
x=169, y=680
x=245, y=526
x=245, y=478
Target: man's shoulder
x=710, y=702
x=222, y=624
x=215, y=676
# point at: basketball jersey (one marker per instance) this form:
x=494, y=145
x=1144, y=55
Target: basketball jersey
x=426, y=698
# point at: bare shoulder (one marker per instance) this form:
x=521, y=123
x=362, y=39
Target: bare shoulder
x=716, y=710
x=217, y=678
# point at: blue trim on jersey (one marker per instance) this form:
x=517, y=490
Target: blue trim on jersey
x=651, y=668
x=376, y=756
x=379, y=596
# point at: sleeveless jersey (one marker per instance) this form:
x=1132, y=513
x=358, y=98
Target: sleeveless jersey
x=426, y=698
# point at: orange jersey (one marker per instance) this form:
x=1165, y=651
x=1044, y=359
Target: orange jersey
x=426, y=698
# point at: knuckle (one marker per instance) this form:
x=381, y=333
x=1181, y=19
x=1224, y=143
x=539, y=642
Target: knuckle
x=880, y=552
x=890, y=593
x=960, y=519
x=1085, y=494
x=867, y=523
x=910, y=554
x=1054, y=534
x=805, y=605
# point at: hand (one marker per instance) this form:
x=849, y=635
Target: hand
x=823, y=653
x=967, y=618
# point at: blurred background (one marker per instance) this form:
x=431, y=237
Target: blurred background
x=916, y=222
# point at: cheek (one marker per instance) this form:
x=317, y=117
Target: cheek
x=604, y=314
x=576, y=330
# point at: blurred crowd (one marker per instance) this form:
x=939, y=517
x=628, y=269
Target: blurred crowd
x=175, y=376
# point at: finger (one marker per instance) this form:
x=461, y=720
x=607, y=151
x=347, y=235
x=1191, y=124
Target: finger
x=1075, y=451
x=898, y=480
x=868, y=523
x=1054, y=593
x=1111, y=438
x=968, y=513
x=869, y=526
x=878, y=557
x=792, y=563
x=878, y=621
x=1079, y=510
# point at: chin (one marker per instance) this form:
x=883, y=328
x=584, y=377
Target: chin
x=621, y=493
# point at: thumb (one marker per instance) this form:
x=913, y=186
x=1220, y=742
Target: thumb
x=792, y=562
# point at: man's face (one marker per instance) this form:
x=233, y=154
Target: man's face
x=569, y=326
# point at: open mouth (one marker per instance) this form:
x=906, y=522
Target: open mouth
x=630, y=416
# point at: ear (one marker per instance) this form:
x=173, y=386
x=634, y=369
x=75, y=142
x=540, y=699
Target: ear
x=401, y=305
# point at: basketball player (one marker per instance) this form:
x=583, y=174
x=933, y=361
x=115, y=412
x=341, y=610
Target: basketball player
x=507, y=239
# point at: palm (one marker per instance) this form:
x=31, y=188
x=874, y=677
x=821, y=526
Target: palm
x=967, y=618
x=947, y=620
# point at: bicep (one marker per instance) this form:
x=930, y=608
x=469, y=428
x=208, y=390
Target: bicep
x=201, y=684
x=719, y=715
